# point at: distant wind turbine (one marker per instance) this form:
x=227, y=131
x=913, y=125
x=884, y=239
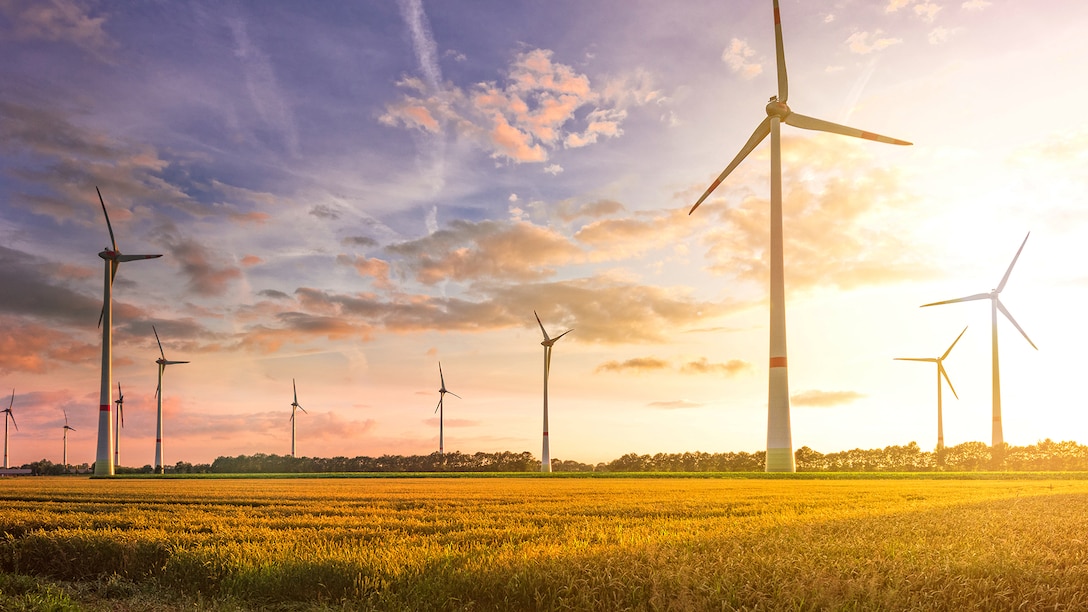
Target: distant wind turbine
x=779, y=438
x=118, y=423
x=103, y=465
x=66, y=430
x=294, y=406
x=162, y=361
x=8, y=414
x=940, y=372
x=998, y=438
x=545, y=455
x=441, y=395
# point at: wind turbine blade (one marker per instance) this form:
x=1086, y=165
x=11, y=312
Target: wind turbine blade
x=454, y=394
x=925, y=359
x=757, y=137
x=113, y=241
x=439, y=405
x=954, y=343
x=1005, y=278
x=159, y=341
x=121, y=413
x=542, y=330
x=12, y=415
x=113, y=270
x=811, y=123
x=101, y=316
x=563, y=334
x=65, y=417
x=303, y=409
x=132, y=258
x=1008, y=316
x=295, y=389
x=441, y=378
x=940, y=368
x=174, y=362
x=12, y=402
x=780, y=57
x=970, y=298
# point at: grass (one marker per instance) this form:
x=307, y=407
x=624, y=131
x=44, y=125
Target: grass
x=889, y=543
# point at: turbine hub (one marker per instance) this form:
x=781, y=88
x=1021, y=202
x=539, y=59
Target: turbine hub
x=777, y=109
x=108, y=254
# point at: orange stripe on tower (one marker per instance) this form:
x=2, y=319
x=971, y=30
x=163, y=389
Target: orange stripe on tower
x=778, y=362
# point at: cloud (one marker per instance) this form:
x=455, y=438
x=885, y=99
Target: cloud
x=66, y=161
x=26, y=346
x=638, y=364
x=274, y=294
x=35, y=287
x=975, y=5
x=737, y=56
x=207, y=271
x=856, y=203
x=553, y=169
x=864, y=43
x=486, y=250
x=541, y=106
x=704, y=366
x=359, y=241
x=824, y=399
x=57, y=21
x=369, y=267
x=264, y=91
x=569, y=211
x=251, y=260
x=673, y=405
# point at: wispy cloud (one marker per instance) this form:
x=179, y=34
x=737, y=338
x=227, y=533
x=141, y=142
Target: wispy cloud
x=825, y=399
x=864, y=43
x=638, y=364
x=64, y=21
x=264, y=90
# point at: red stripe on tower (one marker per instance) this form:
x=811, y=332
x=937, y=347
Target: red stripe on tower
x=778, y=362
x=777, y=18
x=104, y=408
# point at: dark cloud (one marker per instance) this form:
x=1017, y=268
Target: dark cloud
x=359, y=241
x=274, y=294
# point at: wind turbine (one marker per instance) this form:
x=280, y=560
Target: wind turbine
x=103, y=465
x=545, y=455
x=9, y=414
x=118, y=423
x=294, y=406
x=998, y=441
x=940, y=372
x=779, y=440
x=159, y=467
x=442, y=394
x=66, y=430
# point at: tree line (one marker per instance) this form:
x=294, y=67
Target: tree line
x=1044, y=456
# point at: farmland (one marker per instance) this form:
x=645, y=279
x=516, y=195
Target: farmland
x=544, y=543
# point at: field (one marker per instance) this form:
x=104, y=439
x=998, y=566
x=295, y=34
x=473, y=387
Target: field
x=544, y=544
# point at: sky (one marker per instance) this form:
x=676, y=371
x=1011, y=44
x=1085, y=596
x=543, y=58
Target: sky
x=347, y=194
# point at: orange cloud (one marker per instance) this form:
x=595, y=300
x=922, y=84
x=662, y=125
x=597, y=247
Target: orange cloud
x=704, y=366
x=638, y=364
x=824, y=399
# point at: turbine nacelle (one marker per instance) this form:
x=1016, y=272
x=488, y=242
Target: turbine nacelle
x=775, y=108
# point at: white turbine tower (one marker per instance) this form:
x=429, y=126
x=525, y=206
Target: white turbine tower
x=294, y=406
x=940, y=372
x=103, y=464
x=779, y=439
x=545, y=455
x=8, y=414
x=442, y=394
x=118, y=423
x=998, y=441
x=162, y=361
x=66, y=430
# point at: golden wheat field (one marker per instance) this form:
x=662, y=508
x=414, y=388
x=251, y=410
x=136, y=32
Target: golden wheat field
x=544, y=544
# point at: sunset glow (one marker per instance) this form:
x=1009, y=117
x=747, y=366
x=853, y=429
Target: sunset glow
x=345, y=195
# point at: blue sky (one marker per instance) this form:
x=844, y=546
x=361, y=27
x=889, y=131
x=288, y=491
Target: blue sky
x=346, y=194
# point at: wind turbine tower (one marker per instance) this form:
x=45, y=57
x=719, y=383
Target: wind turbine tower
x=779, y=438
x=294, y=406
x=162, y=361
x=998, y=441
x=118, y=423
x=545, y=454
x=442, y=391
x=103, y=465
x=940, y=372
x=66, y=430
x=8, y=414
